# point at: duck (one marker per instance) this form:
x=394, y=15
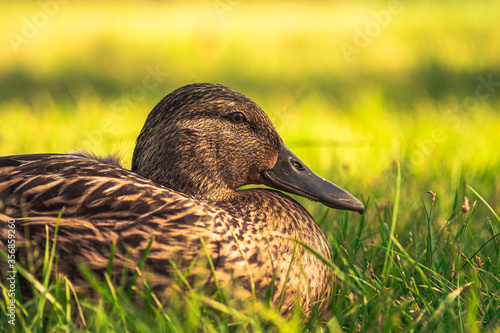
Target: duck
x=182, y=201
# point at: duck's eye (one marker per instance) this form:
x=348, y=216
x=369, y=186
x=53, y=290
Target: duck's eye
x=237, y=117
x=298, y=166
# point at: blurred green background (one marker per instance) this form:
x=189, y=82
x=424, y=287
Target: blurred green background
x=352, y=87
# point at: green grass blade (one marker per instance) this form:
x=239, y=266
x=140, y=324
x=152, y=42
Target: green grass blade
x=388, y=257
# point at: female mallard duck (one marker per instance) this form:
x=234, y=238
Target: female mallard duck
x=198, y=146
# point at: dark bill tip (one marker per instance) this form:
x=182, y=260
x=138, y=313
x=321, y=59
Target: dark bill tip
x=292, y=175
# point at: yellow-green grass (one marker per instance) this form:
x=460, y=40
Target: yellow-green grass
x=411, y=96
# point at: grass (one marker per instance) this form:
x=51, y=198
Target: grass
x=399, y=120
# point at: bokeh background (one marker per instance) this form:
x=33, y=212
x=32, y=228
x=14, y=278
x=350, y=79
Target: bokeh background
x=352, y=87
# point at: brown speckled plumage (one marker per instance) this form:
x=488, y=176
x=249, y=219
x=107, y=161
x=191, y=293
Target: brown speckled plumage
x=191, y=156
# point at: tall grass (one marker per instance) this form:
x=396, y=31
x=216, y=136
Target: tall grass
x=397, y=121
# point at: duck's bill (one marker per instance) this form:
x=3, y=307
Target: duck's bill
x=291, y=175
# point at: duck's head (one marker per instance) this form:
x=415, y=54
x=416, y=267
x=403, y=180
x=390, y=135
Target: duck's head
x=206, y=140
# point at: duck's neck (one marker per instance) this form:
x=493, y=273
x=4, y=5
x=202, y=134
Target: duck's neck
x=208, y=192
x=273, y=209
x=189, y=179
x=276, y=214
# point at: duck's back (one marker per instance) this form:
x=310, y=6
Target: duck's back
x=44, y=184
x=100, y=204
